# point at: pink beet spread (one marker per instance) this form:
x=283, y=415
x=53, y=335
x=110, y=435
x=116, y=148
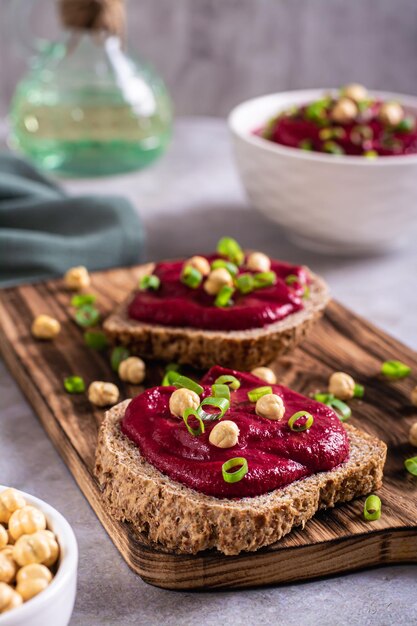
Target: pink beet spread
x=276, y=455
x=175, y=304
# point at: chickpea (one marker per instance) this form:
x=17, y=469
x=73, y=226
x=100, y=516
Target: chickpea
x=53, y=547
x=414, y=396
x=199, y=263
x=182, y=399
x=412, y=437
x=266, y=374
x=8, y=568
x=344, y=111
x=217, y=279
x=4, y=537
x=132, y=370
x=391, y=113
x=103, y=394
x=31, y=549
x=45, y=327
x=10, y=501
x=77, y=278
x=342, y=385
x=258, y=262
x=355, y=92
x=225, y=434
x=32, y=579
x=9, y=598
x=270, y=406
x=26, y=521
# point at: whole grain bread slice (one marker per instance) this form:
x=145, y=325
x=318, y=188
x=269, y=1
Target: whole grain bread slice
x=185, y=521
x=242, y=350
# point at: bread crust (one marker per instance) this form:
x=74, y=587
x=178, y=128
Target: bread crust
x=243, y=350
x=183, y=520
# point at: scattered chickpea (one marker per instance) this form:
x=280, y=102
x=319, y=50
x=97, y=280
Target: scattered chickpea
x=412, y=437
x=103, y=394
x=344, y=111
x=414, y=396
x=225, y=434
x=270, y=406
x=342, y=385
x=4, y=537
x=10, y=501
x=182, y=399
x=132, y=370
x=26, y=521
x=8, y=568
x=9, y=598
x=266, y=374
x=391, y=113
x=217, y=279
x=199, y=263
x=258, y=262
x=32, y=579
x=77, y=278
x=45, y=327
x=355, y=92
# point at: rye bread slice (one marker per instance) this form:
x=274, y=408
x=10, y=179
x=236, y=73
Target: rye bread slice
x=241, y=350
x=183, y=520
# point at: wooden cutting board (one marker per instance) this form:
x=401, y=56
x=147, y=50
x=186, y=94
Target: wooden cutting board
x=335, y=541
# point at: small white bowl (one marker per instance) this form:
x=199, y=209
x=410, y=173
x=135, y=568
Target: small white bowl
x=52, y=607
x=324, y=202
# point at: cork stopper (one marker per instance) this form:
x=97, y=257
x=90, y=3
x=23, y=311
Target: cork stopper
x=93, y=15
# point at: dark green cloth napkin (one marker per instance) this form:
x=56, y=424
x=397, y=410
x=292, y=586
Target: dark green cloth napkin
x=43, y=231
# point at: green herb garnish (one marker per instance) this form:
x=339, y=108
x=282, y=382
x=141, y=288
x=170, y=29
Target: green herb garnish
x=149, y=281
x=193, y=431
x=411, y=465
x=255, y=394
x=238, y=474
x=228, y=379
x=224, y=297
x=87, y=316
x=81, y=299
x=74, y=384
x=119, y=354
x=191, y=277
x=395, y=369
x=96, y=340
x=372, y=508
x=230, y=248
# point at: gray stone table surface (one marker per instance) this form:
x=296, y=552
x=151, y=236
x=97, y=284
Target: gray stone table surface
x=187, y=201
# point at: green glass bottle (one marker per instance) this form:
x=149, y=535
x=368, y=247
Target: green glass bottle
x=86, y=108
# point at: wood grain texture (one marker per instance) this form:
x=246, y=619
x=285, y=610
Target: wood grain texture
x=332, y=542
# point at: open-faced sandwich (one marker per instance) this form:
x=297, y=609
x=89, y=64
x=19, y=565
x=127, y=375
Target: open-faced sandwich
x=231, y=463
x=240, y=310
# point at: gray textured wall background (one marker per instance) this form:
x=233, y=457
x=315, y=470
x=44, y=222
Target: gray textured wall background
x=215, y=53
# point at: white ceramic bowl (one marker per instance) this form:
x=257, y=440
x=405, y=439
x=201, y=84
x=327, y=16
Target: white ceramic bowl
x=52, y=607
x=328, y=203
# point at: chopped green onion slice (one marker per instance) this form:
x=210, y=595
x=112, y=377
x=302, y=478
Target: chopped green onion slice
x=291, y=279
x=411, y=465
x=193, y=431
x=95, y=339
x=395, y=369
x=370, y=154
x=298, y=427
x=171, y=367
x=228, y=379
x=149, y=281
x=87, y=315
x=359, y=391
x=230, y=248
x=222, y=404
x=234, y=477
x=331, y=147
x=221, y=391
x=223, y=298
x=191, y=277
x=264, y=279
x=306, y=292
x=80, y=299
x=406, y=125
x=372, y=508
x=119, y=354
x=74, y=384
x=178, y=380
x=255, y=394
x=342, y=410
x=230, y=267
x=245, y=283
x=306, y=144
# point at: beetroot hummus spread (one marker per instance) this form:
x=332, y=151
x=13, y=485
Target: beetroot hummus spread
x=276, y=455
x=352, y=124
x=174, y=303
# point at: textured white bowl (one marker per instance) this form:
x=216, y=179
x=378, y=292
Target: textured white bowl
x=52, y=607
x=328, y=203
